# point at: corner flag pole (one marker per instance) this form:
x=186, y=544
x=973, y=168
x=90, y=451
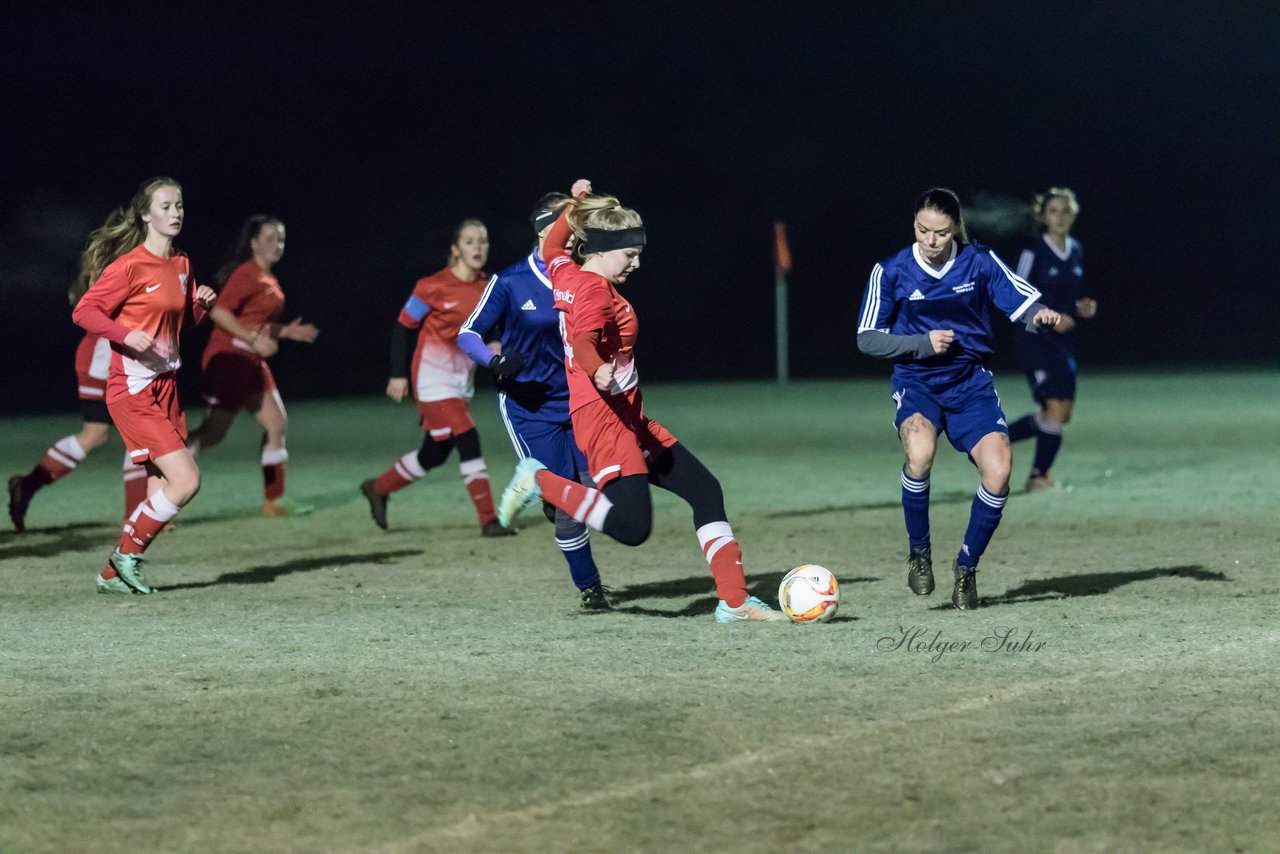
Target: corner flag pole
x=781, y=269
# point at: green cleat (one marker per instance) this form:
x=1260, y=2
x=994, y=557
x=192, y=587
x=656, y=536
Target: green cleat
x=965, y=594
x=594, y=601
x=129, y=568
x=920, y=571
x=113, y=585
x=752, y=609
x=521, y=492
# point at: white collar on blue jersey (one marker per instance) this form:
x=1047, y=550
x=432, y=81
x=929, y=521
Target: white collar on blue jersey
x=1062, y=256
x=533, y=265
x=927, y=267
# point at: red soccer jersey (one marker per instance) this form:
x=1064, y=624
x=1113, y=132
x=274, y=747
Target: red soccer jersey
x=438, y=307
x=254, y=296
x=589, y=302
x=139, y=291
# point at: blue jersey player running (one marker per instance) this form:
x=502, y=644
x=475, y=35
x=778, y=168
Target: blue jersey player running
x=533, y=393
x=929, y=308
x=1054, y=264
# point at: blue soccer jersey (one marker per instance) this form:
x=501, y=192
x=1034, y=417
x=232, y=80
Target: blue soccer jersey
x=906, y=296
x=1059, y=276
x=519, y=301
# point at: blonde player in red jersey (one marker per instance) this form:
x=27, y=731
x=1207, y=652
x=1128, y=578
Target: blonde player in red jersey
x=626, y=450
x=140, y=290
x=236, y=374
x=442, y=377
x=93, y=358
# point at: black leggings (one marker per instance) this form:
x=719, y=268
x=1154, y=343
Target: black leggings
x=631, y=520
x=433, y=453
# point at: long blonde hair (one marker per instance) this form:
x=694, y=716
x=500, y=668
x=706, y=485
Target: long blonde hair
x=603, y=212
x=1042, y=199
x=122, y=232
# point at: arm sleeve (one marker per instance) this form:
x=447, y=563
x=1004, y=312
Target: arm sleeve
x=93, y=310
x=1025, y=262
x=878, y=306
x=416, y=307
x=482, y=320
x=884, y=345
x=401, y=350
x=586, y=352
x=557, y=238
x=1011, y=293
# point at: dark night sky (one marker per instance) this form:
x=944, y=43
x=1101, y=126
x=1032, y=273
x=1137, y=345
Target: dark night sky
x=371, y=134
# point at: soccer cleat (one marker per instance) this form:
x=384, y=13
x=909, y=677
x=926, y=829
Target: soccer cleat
x=1039, y=482
x=521, y=492
x=494, y=528
x=284, y=507
x=129, y=569
x=920, y=571
x=593, y=599
x=752, y=609
x=965, y=594
x=113, y=585
x=19, y=500
x=377, y=503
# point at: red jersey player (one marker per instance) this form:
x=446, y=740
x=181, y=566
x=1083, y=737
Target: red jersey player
x=442, y=378
x=236, y=374
x=627, y=451
x=141, y=290
x=93, y=358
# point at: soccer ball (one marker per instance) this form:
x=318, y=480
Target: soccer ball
x=809, y=594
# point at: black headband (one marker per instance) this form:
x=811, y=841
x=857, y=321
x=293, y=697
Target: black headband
x=606, y=240
x=543, y=218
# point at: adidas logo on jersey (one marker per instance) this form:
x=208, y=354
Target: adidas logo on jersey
x=528, y=306
x=1001, y=422
x=916, y=295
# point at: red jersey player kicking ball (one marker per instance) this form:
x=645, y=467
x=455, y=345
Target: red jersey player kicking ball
x=626, y=450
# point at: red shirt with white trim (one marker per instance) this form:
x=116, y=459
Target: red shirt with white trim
x=139, y=291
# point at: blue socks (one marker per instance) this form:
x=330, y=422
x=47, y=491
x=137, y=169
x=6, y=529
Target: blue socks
x=915, y=509
x=577, y=552
x=984, y=518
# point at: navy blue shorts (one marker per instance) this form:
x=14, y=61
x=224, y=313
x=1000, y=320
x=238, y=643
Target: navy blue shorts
x=1050, y=367
x=549, y=442
x=965, y=412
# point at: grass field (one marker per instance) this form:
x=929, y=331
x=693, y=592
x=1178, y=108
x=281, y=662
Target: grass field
x=316, y=684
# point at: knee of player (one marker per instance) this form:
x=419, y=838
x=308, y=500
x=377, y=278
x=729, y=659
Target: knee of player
x=630, y=529
x=186, y=486
x=94, y=435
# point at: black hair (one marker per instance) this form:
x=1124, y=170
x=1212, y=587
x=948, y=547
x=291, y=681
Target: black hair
x=947, y=203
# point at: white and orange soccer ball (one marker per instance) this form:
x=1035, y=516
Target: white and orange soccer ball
x=809, y=594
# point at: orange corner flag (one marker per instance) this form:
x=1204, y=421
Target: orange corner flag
x=781, y=250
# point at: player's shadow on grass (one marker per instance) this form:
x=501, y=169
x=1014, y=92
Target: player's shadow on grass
x=315, y=501
x=75, y=537
x=268, y=574
x=1091, y=584
x=943, y=498
x=763, y=585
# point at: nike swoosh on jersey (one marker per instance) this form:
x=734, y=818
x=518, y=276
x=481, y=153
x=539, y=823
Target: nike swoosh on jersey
x=450, y=304
x=150, y=288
